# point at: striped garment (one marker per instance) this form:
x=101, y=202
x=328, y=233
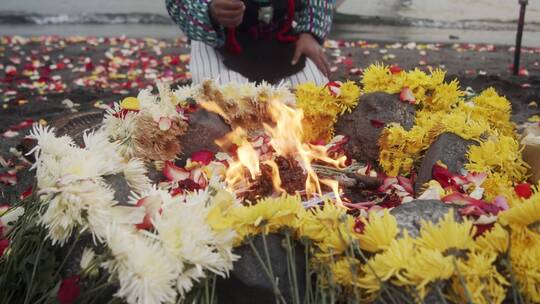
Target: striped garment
x=207, y=63
x=193, y=18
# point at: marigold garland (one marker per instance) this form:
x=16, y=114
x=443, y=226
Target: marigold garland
x=442, y=107
x=322, y=106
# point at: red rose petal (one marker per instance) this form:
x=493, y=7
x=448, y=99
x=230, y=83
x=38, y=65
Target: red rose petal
x=69, y=290
x=203, y=157
x=482, y=228
x=377, y=123
x=394, y=69
x=26, y=193
x=4, y=244
x=523, y=190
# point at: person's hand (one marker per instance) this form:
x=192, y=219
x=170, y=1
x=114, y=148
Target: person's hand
x=308, y=46
x=228, y=13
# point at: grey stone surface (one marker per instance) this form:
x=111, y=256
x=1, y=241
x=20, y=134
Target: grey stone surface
x=248, y=282
x=120, y=186
x=204, y=128
x=363, y=134
x=76, y=124
x=409, y=216
x=450, y=149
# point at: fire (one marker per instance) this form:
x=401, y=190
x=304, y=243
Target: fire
x=285, y=139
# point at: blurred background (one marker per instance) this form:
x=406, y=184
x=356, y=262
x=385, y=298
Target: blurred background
x=481, y=21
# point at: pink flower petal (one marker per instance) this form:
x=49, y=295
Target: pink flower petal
x=387, y=182
x=406, y=184
x=501, y=202
x=151, y=205
x=174, y=173
x=8, y=179
x=476, y=178
x=407, y=95
x=164, y=123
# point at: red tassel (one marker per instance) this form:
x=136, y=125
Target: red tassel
x=282, y=35
x=231, y=43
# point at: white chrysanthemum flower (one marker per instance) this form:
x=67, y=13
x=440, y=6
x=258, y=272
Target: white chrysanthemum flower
x=87, y=258
x=184, y=93
x=84, y=203
x=184, y=232
x=283, y=93
x=187, y=279
x=135, y=174
x=48, y=143
x=48, y=171
x=146, y=273
x=234, y=92
x=121, y=130
x=9, y=218
x=164, y=106
x=102, y=154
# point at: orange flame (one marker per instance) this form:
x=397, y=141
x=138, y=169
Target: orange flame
x=286, y=133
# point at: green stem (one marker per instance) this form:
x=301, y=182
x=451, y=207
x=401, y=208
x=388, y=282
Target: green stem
x=515, y=286
x=57, y=273
x=462, y=281
x=266, y=270
x=277, y=292
x=290, y=249
x=441, y=294
x=383, y=285
x=36, y=262
x=95, y=289
x=308, y=294
x=213, y=294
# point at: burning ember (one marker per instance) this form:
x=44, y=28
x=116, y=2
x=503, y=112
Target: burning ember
x=274, y=160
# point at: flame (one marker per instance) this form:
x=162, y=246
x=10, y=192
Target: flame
x=248, y=159
x=285, y=133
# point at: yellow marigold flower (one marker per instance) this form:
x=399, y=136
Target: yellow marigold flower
x=495, y=240
x=266, y=216
x=345, y=271
x=348, y=97
x=377, y=78
x=523, y=214
x=321, y=108
x=481, y=278
x=379, y=231
x=445, y=96
x=218, y=217
x=497, y=106
x=317, y=127
x=417, y=78
x=499, y=184
x=498, y=154
x=447, y=235
x=329, y=227
x=526, y=269
x=437, y=77
x=426, y=267
x=388, y=265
